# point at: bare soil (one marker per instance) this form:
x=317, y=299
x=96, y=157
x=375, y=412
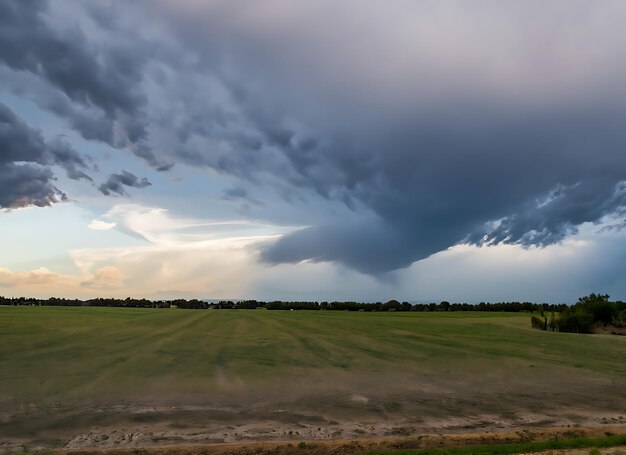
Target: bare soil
x=386, y=411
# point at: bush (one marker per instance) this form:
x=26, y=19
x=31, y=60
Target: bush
x=590, y=311
x=576, y=320
x=602, y=311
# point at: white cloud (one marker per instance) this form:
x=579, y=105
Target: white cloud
x=41, y=277
x=100, y=225
x=42, y=282
x=107, y=278
x=196, y=257
x=160, y=227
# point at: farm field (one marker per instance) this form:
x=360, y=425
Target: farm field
x=124, y=377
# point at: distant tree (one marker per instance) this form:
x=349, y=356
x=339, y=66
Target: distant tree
x=538, y=323
x=393, y=305
x=593, y=298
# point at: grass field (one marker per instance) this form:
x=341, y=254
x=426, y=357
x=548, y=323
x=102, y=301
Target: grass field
x=63, y=370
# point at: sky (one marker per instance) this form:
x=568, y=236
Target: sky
x=419, y=150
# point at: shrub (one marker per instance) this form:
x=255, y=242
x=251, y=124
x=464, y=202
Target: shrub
x=576, y=320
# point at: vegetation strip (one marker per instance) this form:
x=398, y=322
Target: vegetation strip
x=195, y=304
x=523, y=447
x=591, y=313
x=354, y=447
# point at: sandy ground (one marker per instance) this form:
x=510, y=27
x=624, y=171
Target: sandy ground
x=379, y=407
x=133, y=426
x=193, y=443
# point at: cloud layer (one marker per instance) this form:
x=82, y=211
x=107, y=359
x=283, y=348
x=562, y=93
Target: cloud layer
x=432, y=123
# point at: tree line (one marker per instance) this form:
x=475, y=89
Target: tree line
x=391, y=305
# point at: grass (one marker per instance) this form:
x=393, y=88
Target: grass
x=49, y=353
x=525, y=447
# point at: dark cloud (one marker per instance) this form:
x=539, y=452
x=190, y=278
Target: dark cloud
x=525, y=182
x=65, y=59
x=25, y=160
x=546, y=222
x=525, y=161
x=22, y=185
x=368, y=245
x=116, y=183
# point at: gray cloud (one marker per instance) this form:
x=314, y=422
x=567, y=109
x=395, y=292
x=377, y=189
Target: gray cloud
x=29, y=43
x=546, y=222
x=509, y=174
x=116, y=183
x=456, y=150
x=240, y=194
x=25, y=160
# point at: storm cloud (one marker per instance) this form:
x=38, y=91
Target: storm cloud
x=481, y=128
x=430, y=123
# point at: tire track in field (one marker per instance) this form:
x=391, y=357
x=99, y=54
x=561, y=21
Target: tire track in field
x=72, y=340
x=92, y=329
x=232, y=332
x=330, y=354
x=146, y=346
x=318, y=352
x=361, y=341
x=359, y=346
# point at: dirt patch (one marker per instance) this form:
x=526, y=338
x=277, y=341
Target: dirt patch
x=179, y=446
x=609, y=330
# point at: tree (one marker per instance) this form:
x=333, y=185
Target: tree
x=553, y=326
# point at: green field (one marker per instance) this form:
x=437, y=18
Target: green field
x=416, y=368
x=60, y=353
